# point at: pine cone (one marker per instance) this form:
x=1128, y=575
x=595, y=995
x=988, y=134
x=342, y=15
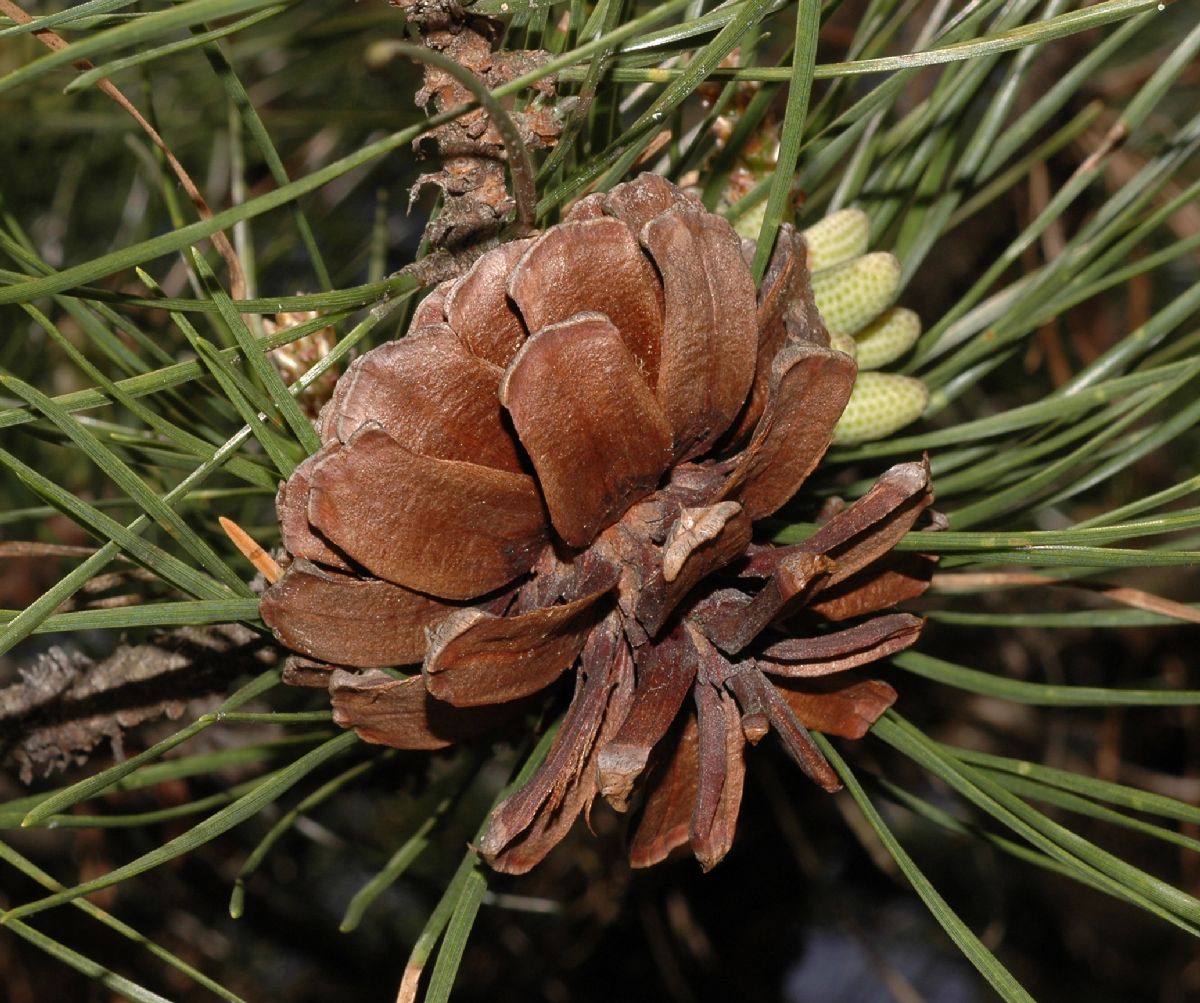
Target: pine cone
x=560, y=466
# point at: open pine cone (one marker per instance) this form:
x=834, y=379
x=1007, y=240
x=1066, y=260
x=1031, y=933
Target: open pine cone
x=560, y=467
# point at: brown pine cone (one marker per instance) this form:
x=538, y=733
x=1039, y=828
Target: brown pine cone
x=559, y=467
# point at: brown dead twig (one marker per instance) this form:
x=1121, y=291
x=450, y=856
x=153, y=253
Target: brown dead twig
x=65, y=704
x=950, y=584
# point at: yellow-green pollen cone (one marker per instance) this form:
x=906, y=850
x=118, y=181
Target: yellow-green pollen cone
x=852, y=294
x=854, y=291
x=750, y=222
x=887, y=337
x=844, y=343
x=837, y=238
x=880, y=404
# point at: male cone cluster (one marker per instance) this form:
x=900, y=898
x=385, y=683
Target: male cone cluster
x=854, y=291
